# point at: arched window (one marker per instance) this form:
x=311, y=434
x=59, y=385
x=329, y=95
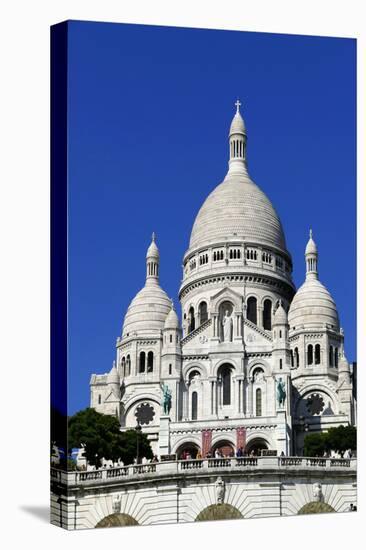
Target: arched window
x=280, y=363
x=142, y=362
x=225, y=380
x=194, y=405
x=202, y=310
x=99, y=399
x=258, y=402
x=317, y=354
x=297, y=357
x=310, y=354
x=331, y=356
x=252, y=309
x=123, y=367
x=170, y=338
x=336, y=357
x=150, y=361
x=292, y=358
x=191, y=320
x=128, y=365
x=267, y=315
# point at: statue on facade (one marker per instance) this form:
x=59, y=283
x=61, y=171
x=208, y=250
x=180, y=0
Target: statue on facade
x=167, y=399
x=116, y=503
x=227, y=325
x=220, y=490
x=281, y=392
x=317, y=492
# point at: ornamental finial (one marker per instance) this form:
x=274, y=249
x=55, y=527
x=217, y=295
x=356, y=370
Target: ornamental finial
x=311, y=233
x=153, y=237
x=238, y=105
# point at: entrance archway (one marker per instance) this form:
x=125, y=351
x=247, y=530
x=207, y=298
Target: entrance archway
x=316, y=508
x=116, y=520
x=186, y=450
x=225, y=447
x=256, y=446
x=219, y=511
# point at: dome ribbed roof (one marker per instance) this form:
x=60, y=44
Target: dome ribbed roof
x=313, y=305
x=237, y=124
x=237, y=209
x=280, y=316
x=113, y=377
x=311, y=247
x=147, y=311
x=172, y=321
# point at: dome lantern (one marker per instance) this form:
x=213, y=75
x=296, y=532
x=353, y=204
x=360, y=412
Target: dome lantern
x=152, y=262
x=237, y=142
x=311, y=258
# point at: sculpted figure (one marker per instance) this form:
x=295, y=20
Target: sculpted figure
x=317, y=492
x=116, y=503
x=227, y=324
x=167, y=399
x=220, y=490
x=281, y=392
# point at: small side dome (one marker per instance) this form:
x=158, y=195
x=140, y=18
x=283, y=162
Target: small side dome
x=172, y=321
x=313, y=305
x=280, y=316
x=113, y=377
x=152, y=251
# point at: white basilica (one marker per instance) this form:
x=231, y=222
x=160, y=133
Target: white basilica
x=255, y=364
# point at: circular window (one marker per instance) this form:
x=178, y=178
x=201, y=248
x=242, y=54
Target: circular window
x=315, y=404
x=145, y=413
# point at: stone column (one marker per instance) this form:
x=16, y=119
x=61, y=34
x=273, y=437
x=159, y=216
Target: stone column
x=164, y=435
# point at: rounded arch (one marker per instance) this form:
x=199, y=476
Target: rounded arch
x=251, y=309
x=256, y=444
x=267, y=310
x=116, y=520
x=202, y=311
x=258, y=365
x=224, y=446
x=225, y=374
x=148, y=397
x=331, y=402
x=192, y=367
x=219, y=364
x=216, y=512
x=186, y=449
x=316, y=508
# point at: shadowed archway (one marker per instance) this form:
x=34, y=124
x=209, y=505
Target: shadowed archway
x=316, y=508
x=116, y=520
x=219, y=511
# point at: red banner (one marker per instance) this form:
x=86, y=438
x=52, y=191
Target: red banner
x=206, y=442
x=241, y=438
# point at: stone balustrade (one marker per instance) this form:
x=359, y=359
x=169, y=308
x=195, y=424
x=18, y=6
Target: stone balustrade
x=184, y=467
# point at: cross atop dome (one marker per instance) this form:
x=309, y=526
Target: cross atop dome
x=238, y=105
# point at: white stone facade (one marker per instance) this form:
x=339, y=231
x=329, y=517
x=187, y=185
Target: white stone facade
x=245, y=333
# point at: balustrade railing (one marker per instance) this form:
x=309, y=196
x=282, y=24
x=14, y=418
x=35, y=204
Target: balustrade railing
x=207, y=464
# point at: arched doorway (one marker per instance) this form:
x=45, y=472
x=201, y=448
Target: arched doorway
x=219, y=511
x=116, y=520
x=256, y=446
x=225, y=448
x=187, y=450
x=316, y=508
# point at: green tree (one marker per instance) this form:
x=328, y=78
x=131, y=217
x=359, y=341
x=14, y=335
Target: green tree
x=101, y=436
x=335, y=439
x=314, y=444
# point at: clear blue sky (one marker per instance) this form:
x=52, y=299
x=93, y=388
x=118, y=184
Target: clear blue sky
x=149, y=113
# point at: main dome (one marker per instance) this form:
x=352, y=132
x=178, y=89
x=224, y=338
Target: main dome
x=237, y=209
